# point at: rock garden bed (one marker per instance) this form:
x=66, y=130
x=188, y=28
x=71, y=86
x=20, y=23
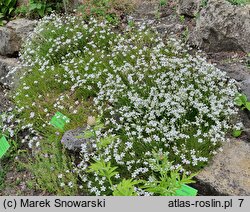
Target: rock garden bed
x=140, y=105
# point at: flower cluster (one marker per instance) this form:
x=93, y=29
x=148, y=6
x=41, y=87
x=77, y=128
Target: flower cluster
x=161, y=99
x=151, y=95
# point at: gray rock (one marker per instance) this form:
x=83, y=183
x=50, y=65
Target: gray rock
x=237, y=71
x=229, y=172
x=169, y=28
x=73, y=139
x=146, y=10
x=222, y=27
x=7, y=65
x=245, y=87
x=13, y=34
x=240, y=73
x=188, y=7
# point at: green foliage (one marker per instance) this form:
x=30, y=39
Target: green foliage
x=7, y=161
x=236, y=133
x=163, y=2
x=125, y=188
x=104, y=169
x=182, y=18
x=150, y=95
x=40, y=8
x=2, y=177
x=53, y=159
x=241, y=101
x=185, y=35
x=204, y=3
x=165, y=180
x=7, y=8
x=88, y=134
x=104, y=142
x=239, y=2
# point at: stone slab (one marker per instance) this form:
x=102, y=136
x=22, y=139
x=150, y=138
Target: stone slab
x=229, y=172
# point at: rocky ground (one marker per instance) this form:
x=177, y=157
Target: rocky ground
x=221, y=30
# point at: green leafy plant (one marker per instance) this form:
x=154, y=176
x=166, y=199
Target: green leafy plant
x=182, y=18
x=203, y=3
x=125, y=188
x=7, y=8
x=163, y=2
x=54, y=160
x=165, y=180
x=241, y=101
x=152, y=95
x=185, y=35
x=239, y=2
x=40, y=8
x=236, y=133
x=104, y=169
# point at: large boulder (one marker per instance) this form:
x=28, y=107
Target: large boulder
x=229, y=172
x=222, y=27
x=13, y=34
x=188, y=7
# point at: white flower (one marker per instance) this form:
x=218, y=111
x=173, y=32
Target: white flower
x=70, y=184
x=32, y=115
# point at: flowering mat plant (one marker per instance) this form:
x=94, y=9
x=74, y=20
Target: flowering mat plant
x=161, y=113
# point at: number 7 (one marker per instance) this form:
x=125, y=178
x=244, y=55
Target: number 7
x=241, y=201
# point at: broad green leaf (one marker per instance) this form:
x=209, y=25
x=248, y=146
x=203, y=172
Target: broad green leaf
x=13, y=3
x=11, y=9
x=41, y=11
x=35, y=6
x=49, y=9
x=236, y=133
x=7, y=2
x=240, y=100
x=247, y=105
